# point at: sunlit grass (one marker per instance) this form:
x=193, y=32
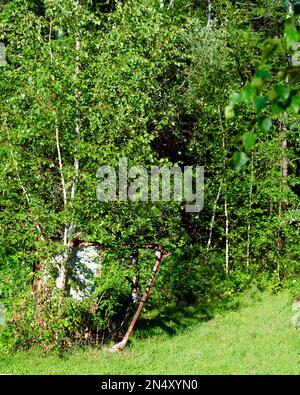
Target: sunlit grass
x=257, y=338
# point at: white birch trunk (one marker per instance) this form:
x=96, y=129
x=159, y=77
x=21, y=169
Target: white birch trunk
x=213, y=218
x=61, y=279
x=77, y=127
x=226, y=237
x=171, y=4
x=69, y=230
x=225, y=199
x=249, y=222
x=208, y=12
x=283, y=182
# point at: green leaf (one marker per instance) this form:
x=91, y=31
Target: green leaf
x=257, y=83
x=295, y=104
x=265, y=124
x=248, y=140
x=260, y=103
x=292, y=34
x=239, y=159
x=276, y=109
x=283, y=92
x=235, y=98
x=264, y=74
x=249, y=94
x=229, y=111
x=270, y=46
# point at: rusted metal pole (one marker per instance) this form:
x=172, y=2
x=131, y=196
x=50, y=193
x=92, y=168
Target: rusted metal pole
x=119, y=346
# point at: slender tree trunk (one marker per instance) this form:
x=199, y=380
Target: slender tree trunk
x=283, y=182
x=224, y=144
x=284, y=161
x=61, y=279
x=226, y=237
x=208, y=12
x=62, y=178
x=135, y=284
x=250, y=208
x=213, y=218
x=77, y=126
x=290, y=7
x=72, y=227
x=58, y=149
x=282, y=187
x=69, y=230
x=283, y=167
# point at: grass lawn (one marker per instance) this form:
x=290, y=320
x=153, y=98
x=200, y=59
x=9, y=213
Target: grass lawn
x=256, y=338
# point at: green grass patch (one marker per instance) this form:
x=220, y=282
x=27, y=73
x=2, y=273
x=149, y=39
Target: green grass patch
x=255, y=338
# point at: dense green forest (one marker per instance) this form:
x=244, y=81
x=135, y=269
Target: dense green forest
x=160, y=83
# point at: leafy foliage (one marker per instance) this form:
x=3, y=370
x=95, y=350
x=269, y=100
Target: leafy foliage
x=88, y=83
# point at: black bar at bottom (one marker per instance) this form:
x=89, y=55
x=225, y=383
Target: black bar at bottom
x=134, y=384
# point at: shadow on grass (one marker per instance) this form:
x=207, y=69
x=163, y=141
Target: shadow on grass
x=172, y=320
